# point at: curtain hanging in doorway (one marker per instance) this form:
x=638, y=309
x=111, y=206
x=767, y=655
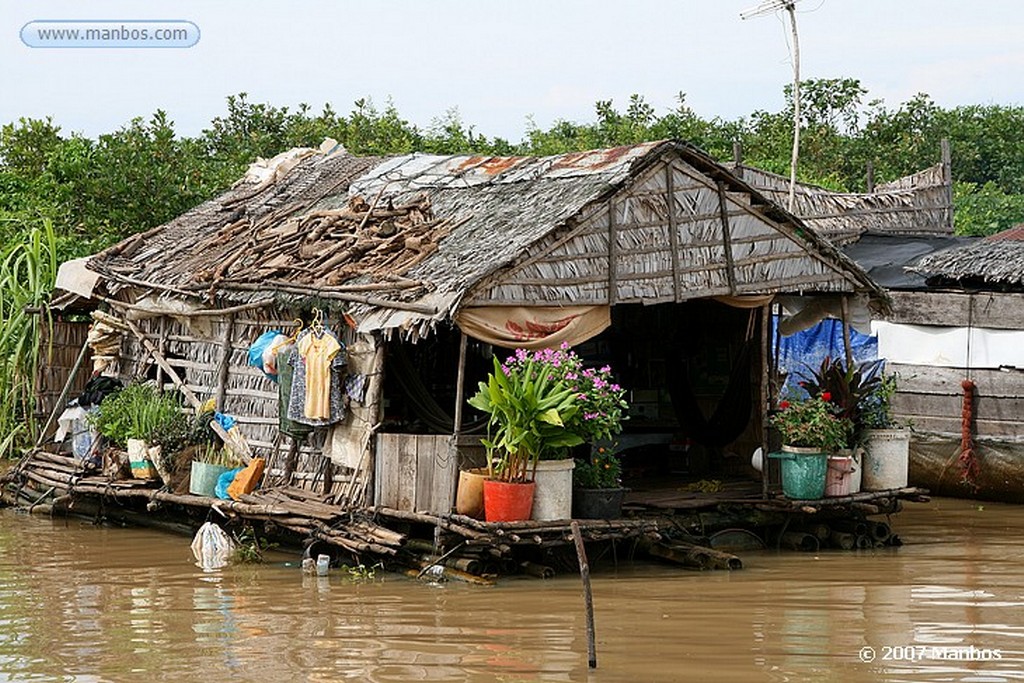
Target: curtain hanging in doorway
x=533, y=327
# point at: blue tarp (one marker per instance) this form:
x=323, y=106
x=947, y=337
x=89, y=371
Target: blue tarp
x=800, y=352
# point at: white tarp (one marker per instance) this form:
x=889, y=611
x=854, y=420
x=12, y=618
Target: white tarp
x=949, y=347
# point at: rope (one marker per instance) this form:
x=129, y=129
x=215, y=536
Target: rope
x=968, y=461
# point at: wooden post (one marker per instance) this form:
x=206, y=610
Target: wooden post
x=847, y=345
x=225, y=362
x=947, y=180
x=871, y=176
x=723, y=212
x=673, y=236
x=460, y=380
x=737, y=154
x=453, y=446
x=588, y=598
x=765, y=394
x=162, y=347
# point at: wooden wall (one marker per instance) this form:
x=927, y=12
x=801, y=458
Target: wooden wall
x=931, y=398
x=212, y=356
x=58, y=351
x=416, y=473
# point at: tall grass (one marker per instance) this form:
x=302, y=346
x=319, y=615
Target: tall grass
x=28, y=269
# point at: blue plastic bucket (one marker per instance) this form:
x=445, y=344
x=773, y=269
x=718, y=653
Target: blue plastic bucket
x=803, y=473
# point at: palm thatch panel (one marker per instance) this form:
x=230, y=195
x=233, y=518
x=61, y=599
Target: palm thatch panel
x=917, y=204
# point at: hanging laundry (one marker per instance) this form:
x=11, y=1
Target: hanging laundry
x=262, y=350
x=318, y=349
x=355, y=387
x=316, y=397
x=285, y=372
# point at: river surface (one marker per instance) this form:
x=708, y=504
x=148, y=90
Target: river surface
x=87, y=603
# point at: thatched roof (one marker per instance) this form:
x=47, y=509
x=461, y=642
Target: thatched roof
x=994, y=260
x=918, y=204
x=403, y=239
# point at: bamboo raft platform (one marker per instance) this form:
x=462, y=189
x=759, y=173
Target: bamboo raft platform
x=672, y=526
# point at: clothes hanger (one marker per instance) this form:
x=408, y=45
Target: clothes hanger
x=318, y=322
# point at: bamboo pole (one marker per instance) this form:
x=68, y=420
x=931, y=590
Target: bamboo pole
x=847, y=344
x=588, y=598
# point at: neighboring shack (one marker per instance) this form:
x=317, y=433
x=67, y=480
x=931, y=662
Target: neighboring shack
x=957, y=314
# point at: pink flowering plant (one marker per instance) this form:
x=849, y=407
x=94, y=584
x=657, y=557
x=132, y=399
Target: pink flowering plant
x=600, y=400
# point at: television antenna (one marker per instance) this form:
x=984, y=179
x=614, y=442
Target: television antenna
x=768, y=7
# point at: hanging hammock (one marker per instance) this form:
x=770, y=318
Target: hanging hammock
x=420, y=398
x=732, y=413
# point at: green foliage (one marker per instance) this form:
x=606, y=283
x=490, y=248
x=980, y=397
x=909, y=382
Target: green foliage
x=985, y=209
x=812, y=423
x=249, y=548
x=361, y=573
x=845, y=388
x=212, y=454
x=528, y=412
x=28, y=267
x=603, y=470
x=876, y=406
x=140, y=412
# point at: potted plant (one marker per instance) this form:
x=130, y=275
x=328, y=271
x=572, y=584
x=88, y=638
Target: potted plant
x=600, y=410
x=811, y=429
x=886, y=443
x=528, y=410
x=145, y=423
x=208, y=464
x=598, y=491
x=851, y=389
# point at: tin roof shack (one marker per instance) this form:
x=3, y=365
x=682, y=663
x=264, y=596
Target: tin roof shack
x=629, y=250
x=955, y=317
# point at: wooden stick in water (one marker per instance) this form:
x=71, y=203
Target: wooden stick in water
x=588, y=597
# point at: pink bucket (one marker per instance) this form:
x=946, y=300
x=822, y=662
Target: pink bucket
x=839, y=475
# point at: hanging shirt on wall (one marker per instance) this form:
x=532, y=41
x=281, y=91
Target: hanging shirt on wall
x=285, y=369
x=318, y=363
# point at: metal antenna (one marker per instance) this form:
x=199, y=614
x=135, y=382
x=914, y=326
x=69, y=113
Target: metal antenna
x=770, y=6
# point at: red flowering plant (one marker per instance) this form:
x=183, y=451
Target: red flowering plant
x=601, y=402
x=852, y=391
x=813, y=423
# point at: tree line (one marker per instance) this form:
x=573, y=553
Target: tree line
x=64, y=195
x=97, y=191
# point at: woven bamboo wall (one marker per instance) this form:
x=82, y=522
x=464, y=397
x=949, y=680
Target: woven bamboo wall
x=710, y=243
x=197, y=353
x=58, y=352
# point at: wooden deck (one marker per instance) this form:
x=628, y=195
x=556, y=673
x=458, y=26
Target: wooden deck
x=671, y=522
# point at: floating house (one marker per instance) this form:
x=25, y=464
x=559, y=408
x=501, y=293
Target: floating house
x=652, y=258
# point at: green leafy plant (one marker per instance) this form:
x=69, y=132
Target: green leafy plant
x=847, y=387
x=603, y=470
x=212, y=454
x=876, y=406
x=249, y=548
x=812, y=423
x=600, y=400
x=529, y=411
x=140, y=412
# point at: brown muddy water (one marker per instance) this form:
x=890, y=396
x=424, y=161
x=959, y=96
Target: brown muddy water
x=85, y=603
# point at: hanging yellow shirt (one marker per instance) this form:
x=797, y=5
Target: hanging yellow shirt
x=318, y=352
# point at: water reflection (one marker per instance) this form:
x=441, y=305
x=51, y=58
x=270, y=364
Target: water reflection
x=84, y=603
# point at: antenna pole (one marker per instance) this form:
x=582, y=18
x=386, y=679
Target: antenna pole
x=796, y=107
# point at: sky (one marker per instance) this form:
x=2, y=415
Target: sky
x=504, y=63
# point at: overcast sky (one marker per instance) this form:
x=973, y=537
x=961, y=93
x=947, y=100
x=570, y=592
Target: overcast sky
x=502, y=62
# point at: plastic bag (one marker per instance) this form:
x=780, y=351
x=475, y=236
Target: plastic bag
x=224, y=481
x=212, y=547
x=262, y=343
